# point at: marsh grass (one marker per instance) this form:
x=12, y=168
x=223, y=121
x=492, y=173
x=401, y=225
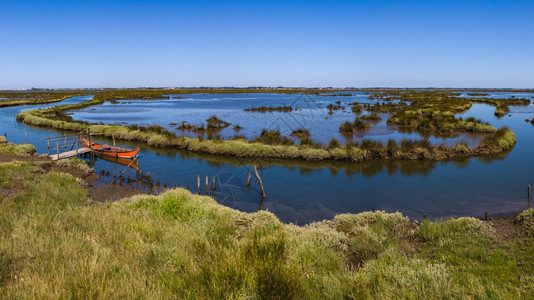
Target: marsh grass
x=273, y=137
x=371, y=117
x=15, y=149
x=54, y=243
x=300, y=133
x=526, y=219
x=426, y=112
x=333, y=144
x=269, y=109
x=356, y=108
x=15, y=99
x=356, y=125
x=503, y=138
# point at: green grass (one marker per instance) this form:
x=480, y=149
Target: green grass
x=526, y=219
x=269, y=109
x=54, y=243
x=356, y=108
x=15, y=149
x=15, y=99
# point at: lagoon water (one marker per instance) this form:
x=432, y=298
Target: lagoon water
x=302, y=192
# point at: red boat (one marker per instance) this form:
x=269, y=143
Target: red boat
x=108, y=150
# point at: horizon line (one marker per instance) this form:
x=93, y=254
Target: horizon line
x=265, y=87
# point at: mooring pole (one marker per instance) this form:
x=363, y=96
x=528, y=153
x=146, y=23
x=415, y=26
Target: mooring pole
x=198, y=183
x=259, y=180
x=207, y=185
x=248, y=179
x=114, y=147
x=528, y=203
x=90, y=141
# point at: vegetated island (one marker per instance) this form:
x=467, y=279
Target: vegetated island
x=33, y=98
x=57, y=241
x=432, y=111
x=269, y=109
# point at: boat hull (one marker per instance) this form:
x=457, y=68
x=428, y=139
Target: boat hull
x=110, y=151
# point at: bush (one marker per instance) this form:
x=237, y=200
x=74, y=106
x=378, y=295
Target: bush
x=526, y=219
x=334, y=143
x=272, y=137
x=346, y=127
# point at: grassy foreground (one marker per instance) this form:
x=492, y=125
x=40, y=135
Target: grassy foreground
x=57, y=243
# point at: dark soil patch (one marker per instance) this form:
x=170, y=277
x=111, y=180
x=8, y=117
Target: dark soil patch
x=10, y=158
x=505, y=228
x=97, y=191
x=111, y=192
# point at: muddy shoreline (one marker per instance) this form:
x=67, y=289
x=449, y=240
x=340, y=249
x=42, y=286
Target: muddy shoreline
x=97, y=190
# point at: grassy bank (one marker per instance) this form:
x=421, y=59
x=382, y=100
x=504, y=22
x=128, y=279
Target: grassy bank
x=15, y=149
x=15, y=99
x=56, y=243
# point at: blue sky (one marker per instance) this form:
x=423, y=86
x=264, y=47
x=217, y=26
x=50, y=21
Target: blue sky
x=267, y=43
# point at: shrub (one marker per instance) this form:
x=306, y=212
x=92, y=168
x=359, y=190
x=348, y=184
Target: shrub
x=334, y=143
x=526, y=219
x=272, y=137
x=346, y=127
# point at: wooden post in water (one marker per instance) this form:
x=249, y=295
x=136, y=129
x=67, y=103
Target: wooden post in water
x=207, y=185
x=248, y=179
x=213, y=184
x=26, y=134
x=114, y=171
x=486, y=215
x=114, y=146
x=48, y=139
x=90, y=141
x=57, y=149
x=528, y=203
x=198, y=183
x=259, y=180
x=65, y=143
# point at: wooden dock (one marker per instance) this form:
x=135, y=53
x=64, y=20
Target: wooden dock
x=70, y=153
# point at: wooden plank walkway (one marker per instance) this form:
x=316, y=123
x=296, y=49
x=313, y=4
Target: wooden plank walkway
x=70, y=153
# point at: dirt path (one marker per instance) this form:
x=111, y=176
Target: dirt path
x=97, y=191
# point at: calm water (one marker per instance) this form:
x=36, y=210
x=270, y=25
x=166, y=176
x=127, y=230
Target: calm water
x=303, y=192
x=311, y=113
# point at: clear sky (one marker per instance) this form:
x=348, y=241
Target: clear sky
x=267, y=43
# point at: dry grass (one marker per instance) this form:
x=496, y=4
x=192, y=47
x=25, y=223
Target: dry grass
x=55, y=243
